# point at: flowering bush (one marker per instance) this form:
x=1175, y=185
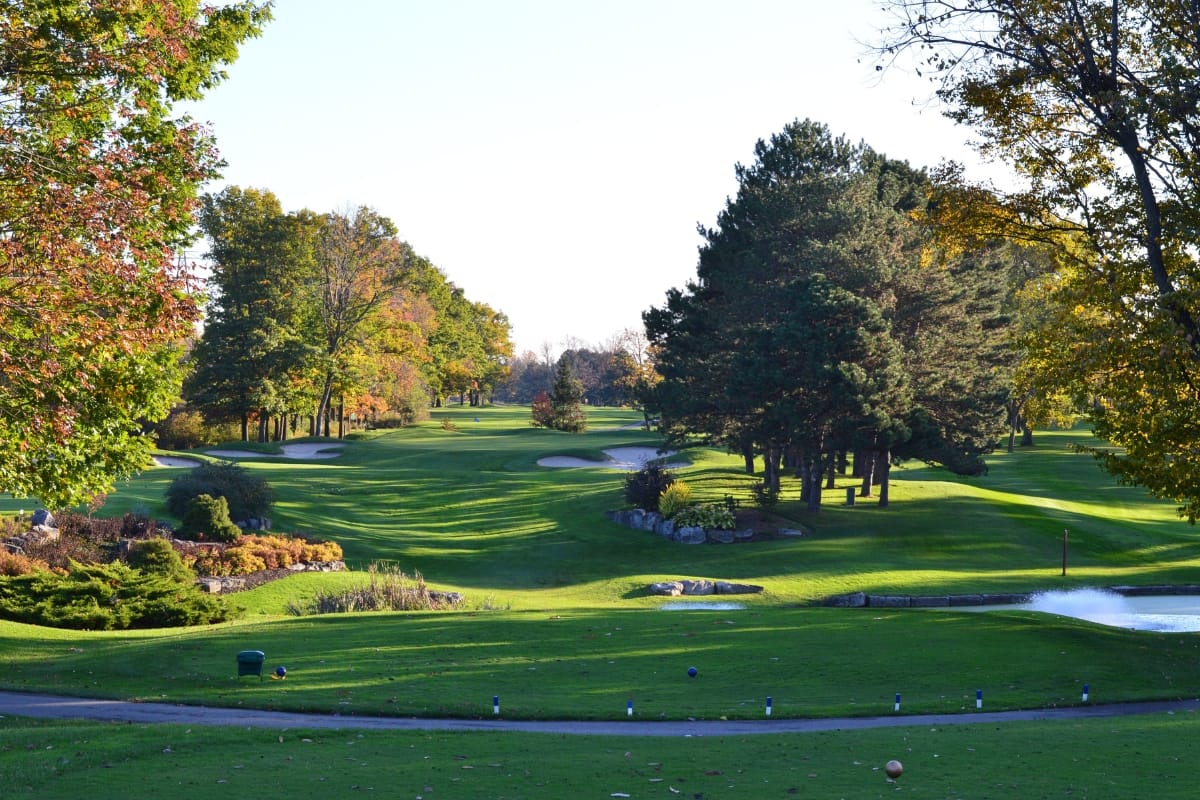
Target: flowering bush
x=715, y=516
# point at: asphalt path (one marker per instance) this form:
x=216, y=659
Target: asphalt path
x=58, y=707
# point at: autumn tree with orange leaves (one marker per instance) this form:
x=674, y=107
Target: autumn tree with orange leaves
x=98, y=185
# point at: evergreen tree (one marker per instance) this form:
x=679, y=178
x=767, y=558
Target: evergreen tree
x=566, y=400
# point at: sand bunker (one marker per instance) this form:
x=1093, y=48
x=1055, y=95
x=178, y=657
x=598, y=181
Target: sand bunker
x=171, y=461
x=623, y=458
x=301, y=450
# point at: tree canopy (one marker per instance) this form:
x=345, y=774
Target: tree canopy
x=324, y=315
x=1095, y=105
x=819, y=322
x=98, y=184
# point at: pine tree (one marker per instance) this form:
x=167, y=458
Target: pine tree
x=566, y=399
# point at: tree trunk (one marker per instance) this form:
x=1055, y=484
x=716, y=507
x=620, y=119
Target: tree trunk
x=245, y=427
x=323, y=405
x=803, y=470
x=341, y=417
x=1026, y=435
x=831, y=472
x=885, y=470
x=859, y=461
x=815, y=471
x=772, y=465
x=748, y=458
x=867, y=457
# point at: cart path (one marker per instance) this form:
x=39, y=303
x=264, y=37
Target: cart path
x=58, y=707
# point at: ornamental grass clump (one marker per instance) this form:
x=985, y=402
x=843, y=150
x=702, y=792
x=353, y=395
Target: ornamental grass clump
x=674, y=499
x=387, y=589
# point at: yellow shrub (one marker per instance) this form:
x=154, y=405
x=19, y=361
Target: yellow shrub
x=676, y=497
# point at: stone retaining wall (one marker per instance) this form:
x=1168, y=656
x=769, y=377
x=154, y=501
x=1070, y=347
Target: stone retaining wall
x=642, y=520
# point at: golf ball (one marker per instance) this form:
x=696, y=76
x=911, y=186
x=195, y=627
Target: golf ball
x=281, y=671
x=894, y=769
x=691, y=672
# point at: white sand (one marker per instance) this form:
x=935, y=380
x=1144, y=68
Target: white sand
x=621, y=458
x=171, y=461
x=302, y=450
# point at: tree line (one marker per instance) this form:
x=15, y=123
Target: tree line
x=317, y=319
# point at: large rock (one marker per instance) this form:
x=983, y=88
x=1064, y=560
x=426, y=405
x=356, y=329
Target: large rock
x=668, y=588
x=720, y=536
x=650, y=520
x=691, y=535
x=42, y=517
x=666, y=529
x=698, y=587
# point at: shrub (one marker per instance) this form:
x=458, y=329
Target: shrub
x=644, y=487
x=12, y=564
x=81, y=539
x=157, y=556
x=765, y=496
x=675, y=498
x=542, y=411
x=183, y=429
x=108, y=597
x=248, y=496
x=714, y=516
x=250, y=554
x=208, y=518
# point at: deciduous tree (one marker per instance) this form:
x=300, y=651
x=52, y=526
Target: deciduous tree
x=98, y=182
x=1095, y=104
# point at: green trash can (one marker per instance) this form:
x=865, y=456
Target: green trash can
x=250, y=662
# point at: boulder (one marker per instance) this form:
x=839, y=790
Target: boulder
x=42, y=517
x=650, y=520
x=666, y=529
x=720, y=536
x=698, y=587
x=668, y=588
x=690, y=535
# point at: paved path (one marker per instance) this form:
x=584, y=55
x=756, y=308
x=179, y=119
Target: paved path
x=38, y=705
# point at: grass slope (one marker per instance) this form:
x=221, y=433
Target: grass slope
x=560, y=625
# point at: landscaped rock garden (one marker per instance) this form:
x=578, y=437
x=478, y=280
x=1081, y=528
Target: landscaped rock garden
x=655, y=522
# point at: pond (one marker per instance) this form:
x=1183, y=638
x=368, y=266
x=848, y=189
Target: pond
x=1162, y=613
x=700, y=605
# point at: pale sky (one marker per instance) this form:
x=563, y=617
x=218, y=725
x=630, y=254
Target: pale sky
x=553, y=157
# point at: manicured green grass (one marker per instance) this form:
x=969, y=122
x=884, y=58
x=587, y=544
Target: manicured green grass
x=1105, y=758
x=559, y=623
x=471, y=510
x=589, y=664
